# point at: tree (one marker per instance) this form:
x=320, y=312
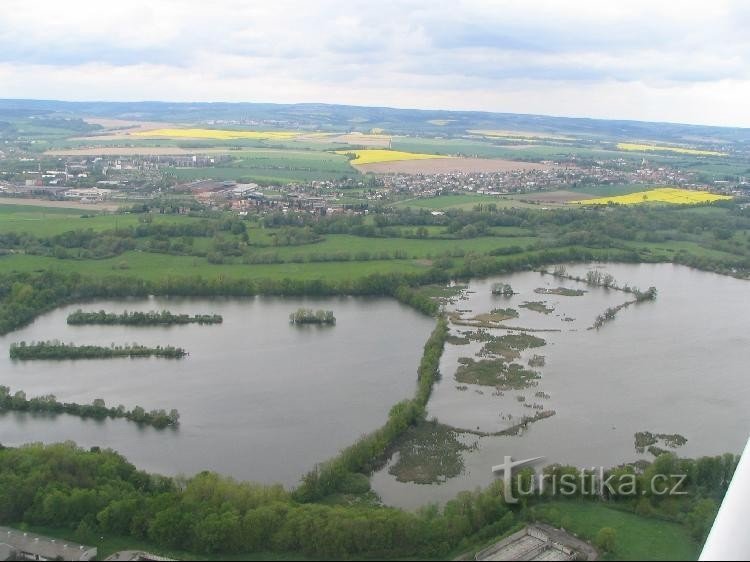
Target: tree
x=84, y=533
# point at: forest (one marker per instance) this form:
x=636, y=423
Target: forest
x=97, y=492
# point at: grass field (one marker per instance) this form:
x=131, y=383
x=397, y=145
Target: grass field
x=414, y=248
x=465, y=202
x=49, y=221
x=638, y=538
x=375, y=155
x=525, y=135
x=274, y=166
x=152, y=267
x=658, y=195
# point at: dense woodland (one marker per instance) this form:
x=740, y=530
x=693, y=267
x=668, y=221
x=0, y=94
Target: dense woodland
x=96, y=492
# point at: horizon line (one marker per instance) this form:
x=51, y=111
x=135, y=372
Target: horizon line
x=388, y=107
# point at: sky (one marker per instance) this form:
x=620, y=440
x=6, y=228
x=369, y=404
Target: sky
x=678, y=61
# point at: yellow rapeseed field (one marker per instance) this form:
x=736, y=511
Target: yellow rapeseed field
x=634, y=147
x=375, y=155
x=660, y=195
x=216, y=134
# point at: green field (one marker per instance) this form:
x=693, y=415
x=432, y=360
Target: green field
x=273, y=166
x=152, y=267
x=414, y=248
x=465, y=202
x=638, y=538
x=49, y=221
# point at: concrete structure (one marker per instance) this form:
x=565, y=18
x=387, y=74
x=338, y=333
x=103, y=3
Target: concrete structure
x=88, y=194
x=137, y=556
x=15, y=545
x=539, y=542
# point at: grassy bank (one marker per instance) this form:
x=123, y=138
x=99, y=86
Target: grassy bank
x=638, y=538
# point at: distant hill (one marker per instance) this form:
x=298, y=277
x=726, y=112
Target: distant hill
x=356, y=118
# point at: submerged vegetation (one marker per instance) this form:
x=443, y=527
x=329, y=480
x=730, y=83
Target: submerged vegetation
x=509, y=346
x=49, y=404
x=429, y=453
x=55, y=350
x=309, y=316
x=152, y=318
x=645, y=440
x=561, y=291
x=495, y=372
x=538, y=306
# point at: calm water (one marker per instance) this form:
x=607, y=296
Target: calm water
x=677, y=365
x=259, y=399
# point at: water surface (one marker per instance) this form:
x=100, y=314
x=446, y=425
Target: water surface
x=259, y=399
x=676, y=365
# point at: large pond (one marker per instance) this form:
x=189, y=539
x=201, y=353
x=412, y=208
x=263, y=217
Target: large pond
x=678, y=365
x=259, y=399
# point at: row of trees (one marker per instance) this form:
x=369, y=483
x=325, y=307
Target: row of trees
x=152, y=318
x=346, y=472
x=97, y=409
x=59, y=351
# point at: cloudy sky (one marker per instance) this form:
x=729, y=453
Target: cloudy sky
x=680, y=61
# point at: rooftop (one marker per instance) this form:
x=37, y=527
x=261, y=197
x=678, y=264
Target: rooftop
x=44, y=547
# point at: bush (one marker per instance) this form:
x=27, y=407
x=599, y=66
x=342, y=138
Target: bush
x=606, y=539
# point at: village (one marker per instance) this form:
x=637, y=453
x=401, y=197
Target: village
x=124, y=180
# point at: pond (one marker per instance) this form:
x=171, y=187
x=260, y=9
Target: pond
x=677, y=365
x=259, y=399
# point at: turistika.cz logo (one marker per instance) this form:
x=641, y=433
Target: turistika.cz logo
x=589, y=482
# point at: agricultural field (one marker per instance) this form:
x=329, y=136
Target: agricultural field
x=660, y=195
x=377, y=156
x=464, y=202
x=51, y=221
x=274, y=166
x=634, y=147
x=153, y=267
x=519, y=135
x=446, y=165
x=218, y=134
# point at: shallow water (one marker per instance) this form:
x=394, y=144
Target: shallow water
x=676, y=365
x=259, y=399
